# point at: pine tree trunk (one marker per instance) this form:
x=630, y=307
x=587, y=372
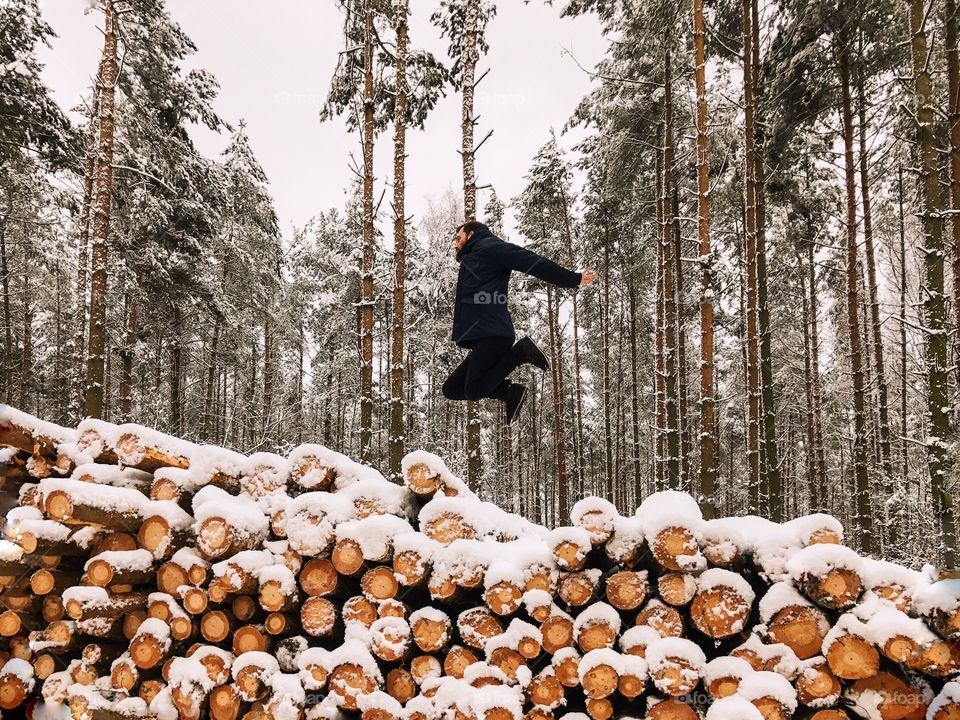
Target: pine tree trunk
x=819, y=450
x=876, y=334
x=83, y=237
x=268, y=376
x=397, y=407
x=5, y=372
x=816, y=500
x=176, y=373
x=103, y=192
x=683, y=425
x=755, y=479
x=470, y=55
x=556, y=376
x=577, y=385
x=127, y=356
x=934, y=309
x=904, y=455
x=660, y=377
x=864, y=520
x=771, y=460
x=26, y=354
x=673, y=463
x=366, y=271
x=634, y=386
x=607, y=400
x=208, y=403
x=708, y=423
x=953, y=120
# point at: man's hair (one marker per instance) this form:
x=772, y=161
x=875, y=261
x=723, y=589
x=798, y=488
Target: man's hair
x=472, y=226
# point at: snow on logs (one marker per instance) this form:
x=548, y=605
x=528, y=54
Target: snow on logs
x=142, y=575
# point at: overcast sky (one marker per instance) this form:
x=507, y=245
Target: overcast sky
x=274, y=58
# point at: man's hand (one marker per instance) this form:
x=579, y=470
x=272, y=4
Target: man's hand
x=587, y=276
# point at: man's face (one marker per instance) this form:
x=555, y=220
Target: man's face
x=461, y=239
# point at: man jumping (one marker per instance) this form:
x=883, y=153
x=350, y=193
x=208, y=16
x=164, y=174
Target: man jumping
x=482, y=322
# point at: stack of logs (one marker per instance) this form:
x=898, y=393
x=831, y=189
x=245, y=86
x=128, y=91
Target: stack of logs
x=143, y=575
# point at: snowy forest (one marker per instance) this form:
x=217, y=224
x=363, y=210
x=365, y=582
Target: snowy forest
x=768, y=189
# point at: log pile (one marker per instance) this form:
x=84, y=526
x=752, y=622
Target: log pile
x=146, y=576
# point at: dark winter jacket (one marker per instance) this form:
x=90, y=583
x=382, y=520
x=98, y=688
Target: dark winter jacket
x=485, y=265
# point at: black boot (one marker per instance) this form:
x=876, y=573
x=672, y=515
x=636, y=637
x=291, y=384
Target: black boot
x=528, y=352
x=515, y=397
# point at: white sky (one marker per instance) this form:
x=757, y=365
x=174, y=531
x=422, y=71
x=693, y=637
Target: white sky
x=274, y=59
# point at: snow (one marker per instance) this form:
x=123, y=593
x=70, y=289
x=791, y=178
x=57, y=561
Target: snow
x=787, y=662
x=779, y=596
x=186, y=480
x=265, y=663
x=880, y=573
x=595, y=658
x=603, y=514
x=574, y=535
x=208, y=461
x=187, y=557
x=949, y=695
x=437, y=467
x=627, y=537
x=174, y=515
x=240, y=512
x=35, y=426
x=132, y=453
x=280, y=574
x=189, y=672
x=346, y=470
x=884, y=622
x=664, y=651
x=639, y=635
x=156, y=628
x=733, y=708
x=818, y=560
x=670, y=508
x=517, y=631
x=354, y=652
x=517, y=560
x=113, y=499
x=726, y=667
x=287, y=696
x=847, y=624
x=113, y=475
x=718, y=577
x=384, y=631
x=804, y=527
x=311, y=520
x=265, y=472
x=379, y=700
x=10, y=551
x=249, y=561
x=389, y=498
x=598, y=613
x=942, y=596
x=765, y=684
x=374, y=534
x=87, y=595
x=21, y=669
x=121, y=560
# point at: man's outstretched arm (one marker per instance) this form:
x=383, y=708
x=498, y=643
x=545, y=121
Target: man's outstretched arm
x=528, y=262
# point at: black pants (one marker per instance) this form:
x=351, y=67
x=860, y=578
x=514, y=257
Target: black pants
x=483, y=372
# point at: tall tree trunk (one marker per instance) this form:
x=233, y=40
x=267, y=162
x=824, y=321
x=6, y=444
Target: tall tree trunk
x=934, y=306
x=209, y=431
x=559, y=440
x=605, y=340
x=6, y=371
x=708, y=422
x=876, y=334
x=904, y=455
x=366, y=272
x=953, y=120
x=818, y=449
x=127, y=356
x=634, y=385
x=771, y=460
x=176, y=373
x=397, y=407
x=97, y=334
x=755, y=480
x=660, y=365
x=83, y=241
x=470, y=56
x=816, y=500
x=268, y=375
x=864, y=520
x=683, y=424
x=577, y=385
x=26, y=354
x=673, y=478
